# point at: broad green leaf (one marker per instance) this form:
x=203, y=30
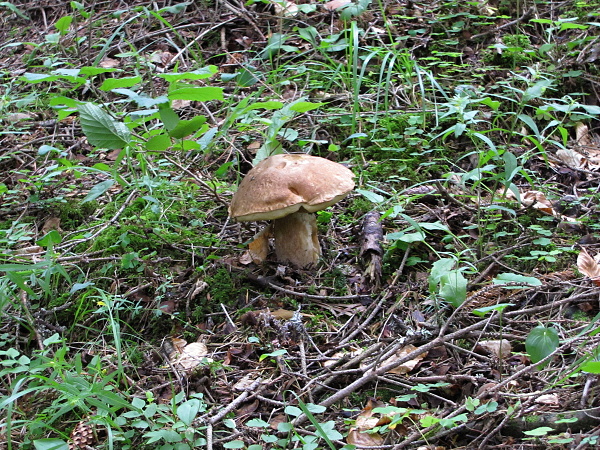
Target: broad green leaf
x=499, y=307
x=168, y=116
x=440, y=268
x=591, y=367
x=197, y=94
x=93, y=71
x=292, y=411
x=530, y=123
x=453, y=288
x=302, y=107
x=98, y=190
x=271, y=104
x=52, y=238
x=187, y=127
x=198, y=74
x=187, y=411
x=371, y=196
x=315, y=409
x=540, y=342
x=101, y=129
x=537, y=90
x=417, y=236
x=142, y=100
x=257, y=423
x=234, y=444
x=504, y=278
x=540, y=431
x=38, y=77
x=50, y=444
x=117, y=83
x=63, y=24
x=158, y=143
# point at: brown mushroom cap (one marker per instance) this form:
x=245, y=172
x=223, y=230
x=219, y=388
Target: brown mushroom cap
x=283, y=184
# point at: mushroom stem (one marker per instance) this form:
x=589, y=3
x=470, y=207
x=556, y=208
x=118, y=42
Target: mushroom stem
x=296, y=239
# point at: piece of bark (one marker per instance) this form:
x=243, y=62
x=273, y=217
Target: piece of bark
x=370, y=249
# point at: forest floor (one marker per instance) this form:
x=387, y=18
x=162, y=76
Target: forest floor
x=455, y=304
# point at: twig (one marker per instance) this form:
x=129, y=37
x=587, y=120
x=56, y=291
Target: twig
x=374, y=373
x=525, y=16
x=444, y=192
x=212, y=189
x=104, y=226
x=363, y=325
x=234, y=404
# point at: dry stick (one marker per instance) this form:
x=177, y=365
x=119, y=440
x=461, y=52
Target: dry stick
x=343, y=370
x=196, y=39
x=234, y=404
x=410, y=439
x=212, y=190
x=263, y=281
x=525, y=16
x=103, y=227
x=371, y=375
x=364, y=324
x=38, y=336
x=442, y=190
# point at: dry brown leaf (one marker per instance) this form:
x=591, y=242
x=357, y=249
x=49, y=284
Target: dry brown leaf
x=110, y=63
x=259, y=247
x=285, y=8
x=191, y=356
x=180, y=104
x=245, y=382
x=363, y=439
x=582, y=133
x=571, y=158
x=365, y=421
x=52, y=223
x=588, y=266
x=351, y=353
x=335, y=4
x=406, y=366
x=275, y=421
x=501, y=349
x=548, y=399
x=537, y=200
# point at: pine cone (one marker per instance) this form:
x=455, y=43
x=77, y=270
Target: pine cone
x=81, y=436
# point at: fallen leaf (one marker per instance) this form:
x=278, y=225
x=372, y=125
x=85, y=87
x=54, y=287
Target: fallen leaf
x=571, y=158
x=582, y=133
x=259, y=247
x=406, y=366
x=245, y=382
x=358, y=434
x=588, y=266
x=501, y=349
x=335, y=4
x=52, y=223
x=191, y=356
x=548, y=399
x=109, y=63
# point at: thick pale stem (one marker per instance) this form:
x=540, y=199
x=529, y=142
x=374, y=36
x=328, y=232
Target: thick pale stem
x=296, y=239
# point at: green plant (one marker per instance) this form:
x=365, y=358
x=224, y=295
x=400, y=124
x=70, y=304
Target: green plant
x=323, y=431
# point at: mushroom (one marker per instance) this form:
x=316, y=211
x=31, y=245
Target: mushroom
x=288, y=189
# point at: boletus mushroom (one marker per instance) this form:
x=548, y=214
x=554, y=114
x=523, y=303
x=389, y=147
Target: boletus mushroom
x=288, y=189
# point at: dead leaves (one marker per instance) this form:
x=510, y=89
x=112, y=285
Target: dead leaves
x=589, y=266
x=187, y=357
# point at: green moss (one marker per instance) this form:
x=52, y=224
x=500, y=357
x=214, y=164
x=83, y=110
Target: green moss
x=73, y=213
